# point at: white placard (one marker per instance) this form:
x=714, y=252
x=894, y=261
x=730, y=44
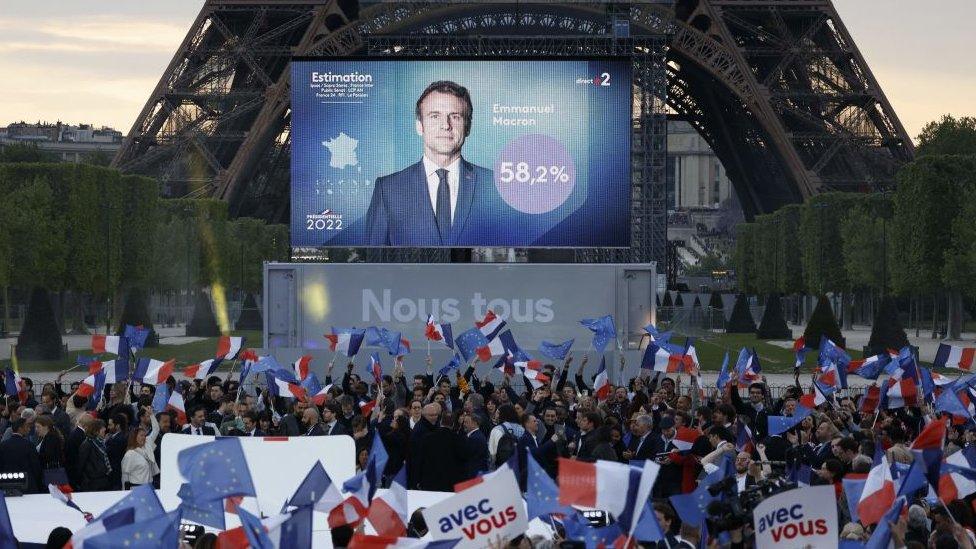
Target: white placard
x=480, y=514
x=804, y=517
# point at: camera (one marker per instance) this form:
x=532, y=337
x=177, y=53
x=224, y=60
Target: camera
x=734, y=509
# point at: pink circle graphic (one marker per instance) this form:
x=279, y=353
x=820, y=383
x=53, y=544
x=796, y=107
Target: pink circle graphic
x=535, y=174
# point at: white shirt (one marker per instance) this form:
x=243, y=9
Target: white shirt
x=453, y=182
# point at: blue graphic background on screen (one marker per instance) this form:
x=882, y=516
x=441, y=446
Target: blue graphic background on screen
x=376, y=136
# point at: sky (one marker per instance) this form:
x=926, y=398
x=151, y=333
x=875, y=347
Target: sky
x=97, y=61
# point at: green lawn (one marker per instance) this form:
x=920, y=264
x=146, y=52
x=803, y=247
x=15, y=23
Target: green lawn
x=184, y=354
x=711, y=350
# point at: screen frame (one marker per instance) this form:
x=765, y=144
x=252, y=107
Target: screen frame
x=629, y=59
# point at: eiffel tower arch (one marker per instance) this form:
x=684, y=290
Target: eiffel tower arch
x=777, y=88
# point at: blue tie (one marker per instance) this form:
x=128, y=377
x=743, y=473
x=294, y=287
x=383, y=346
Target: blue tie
x=443, y=211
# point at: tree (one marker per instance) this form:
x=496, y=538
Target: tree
x=822, y=260
x=948, y=135
x=862, y=235
x=743, y=256
x=930, y=196
x=203, y=323
x=886, y=331
x=25, y=152
x=823, y=323
x=40, y=338
x=773, y=324
x=741, y=321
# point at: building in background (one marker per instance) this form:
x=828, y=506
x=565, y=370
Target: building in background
x=70, y=143
x=702, y=208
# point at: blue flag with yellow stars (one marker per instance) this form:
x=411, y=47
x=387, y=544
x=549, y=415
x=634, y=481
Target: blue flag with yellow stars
x=142, y=500
x=214, y=471
x=579, y=529
x=603, y=331
x=691, y=507
x=541, y=492
x=257, y=537
x=159, y=532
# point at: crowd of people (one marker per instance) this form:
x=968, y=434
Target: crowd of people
x=451, y=428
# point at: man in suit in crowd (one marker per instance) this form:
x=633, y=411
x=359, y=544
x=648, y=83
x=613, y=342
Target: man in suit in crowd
x=198, y=423
x=71, y=446
x=588, y=423
x=443, y=199
x=669, y=478
x=641, y=443
x=429, y=419
x=291, y=423
x=330, y=419
x=17, y=454
x=251, y=425
x=311, y=424
x=61, y=419
x=475, y=446
x=115, y=446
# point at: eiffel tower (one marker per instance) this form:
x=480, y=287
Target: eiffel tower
x=778, y=89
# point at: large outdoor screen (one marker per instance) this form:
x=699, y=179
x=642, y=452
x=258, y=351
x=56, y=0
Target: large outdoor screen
x=455, y=153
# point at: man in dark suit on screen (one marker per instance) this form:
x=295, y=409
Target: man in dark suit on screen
x=442, y=200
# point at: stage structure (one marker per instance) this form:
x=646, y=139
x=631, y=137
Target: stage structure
x=777, y=87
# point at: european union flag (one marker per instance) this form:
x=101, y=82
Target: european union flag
x=142, y=499
x=208, y=513
x=469, y=342
x=541, y=492
x=312, y=385
x=215, y=470
x=454, y=364
x=578, y=528
x=160, y=532
x=555, y=351
x=7, y=538
x=382, y=337
x=160, y=398
x=257, y=537
x=691, y=507
x=603, y=331
x=648, y=528
x=136, y=335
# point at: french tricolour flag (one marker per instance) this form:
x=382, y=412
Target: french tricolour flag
x=302, y=367
x=388, y=511
x=818, y=395
x=601, y=384
x=958, y=475
x=177, y=405
x=685, y=437
x=532, y=370
x=321, y=396
x=282, y=388
x=951, y=356
x=900, y=393
x=347, y=343
x=228, y=347
x=439, y=332
x=153, y=372
x=659, y=359
x=614, y=487
x=92, y=385
x=115, y=370
x=878, y=494
x=491, y=325
x=202, y=370
x=375, y=368
x=106, y=344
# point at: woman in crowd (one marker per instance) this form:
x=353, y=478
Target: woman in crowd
x=139, y=462
x=50, y=449
x=94, y=468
